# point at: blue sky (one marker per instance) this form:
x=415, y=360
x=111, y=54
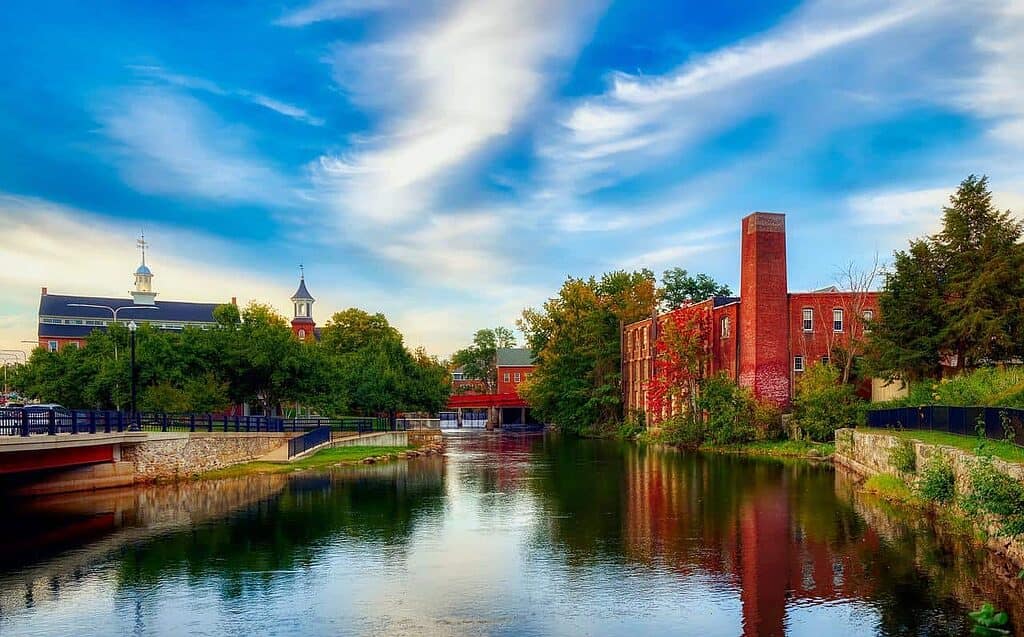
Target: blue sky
x=449, y=163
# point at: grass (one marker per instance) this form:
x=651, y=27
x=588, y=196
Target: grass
x=891, y=488
x=778, y=448
x=1003, y=450
x=322, y=458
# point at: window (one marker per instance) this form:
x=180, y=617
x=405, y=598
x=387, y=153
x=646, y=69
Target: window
x=518, y=377
x=52, y=346
x=507, y=377
x=75, y=344
x=837, y=320
x=825, y=360
x=302, y=335
x=725, y=327
x=798, y=363
x=808, y=319
x=869, y=315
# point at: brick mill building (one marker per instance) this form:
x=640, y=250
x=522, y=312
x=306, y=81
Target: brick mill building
x=764, y=338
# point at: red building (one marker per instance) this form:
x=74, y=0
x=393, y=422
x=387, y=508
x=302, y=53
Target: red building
x=514, y=366
x=765, y=337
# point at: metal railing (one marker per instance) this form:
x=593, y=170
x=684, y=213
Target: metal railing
x=32, y=422
x=996, y=423
x=308, y=440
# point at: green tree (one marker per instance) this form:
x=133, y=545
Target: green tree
x=679, y=288
x=353, y=329
x=575, y=339
x=479, y=360
x=823, y=404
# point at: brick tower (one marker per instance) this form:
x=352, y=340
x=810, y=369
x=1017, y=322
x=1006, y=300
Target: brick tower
x=764, y=349
x=302, y=322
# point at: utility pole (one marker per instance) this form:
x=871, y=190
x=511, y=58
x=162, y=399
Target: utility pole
x=131, y=329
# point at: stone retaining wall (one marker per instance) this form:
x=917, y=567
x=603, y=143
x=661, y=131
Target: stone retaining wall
x=176, y=455
x=421, y=437
x=868, y=453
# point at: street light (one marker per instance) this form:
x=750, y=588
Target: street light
x=114, y=310
x=131, y=329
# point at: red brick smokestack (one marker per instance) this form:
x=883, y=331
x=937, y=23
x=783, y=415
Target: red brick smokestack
x=764, y=350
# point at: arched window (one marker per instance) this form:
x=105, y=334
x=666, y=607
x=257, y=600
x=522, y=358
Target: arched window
x=302, y=335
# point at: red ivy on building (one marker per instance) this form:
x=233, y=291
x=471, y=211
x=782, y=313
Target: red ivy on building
x=682, y=359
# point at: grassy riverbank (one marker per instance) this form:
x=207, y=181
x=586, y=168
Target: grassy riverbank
x=1002, y=450
x=776, y=448
x=321, y=459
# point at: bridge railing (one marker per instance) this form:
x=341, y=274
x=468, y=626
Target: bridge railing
x=29, y=422
x=308, y=440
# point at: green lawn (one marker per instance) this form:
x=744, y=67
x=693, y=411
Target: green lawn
x=783, y=448
x=1002, y=450
x=322, y=458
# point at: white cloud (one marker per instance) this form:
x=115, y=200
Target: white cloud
x=167, y=143
x=996, y=92
x=326, y=10
x=447, y=88
x=207, y=86
x=641, y=120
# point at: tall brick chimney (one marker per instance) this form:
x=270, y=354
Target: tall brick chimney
x=764, y=348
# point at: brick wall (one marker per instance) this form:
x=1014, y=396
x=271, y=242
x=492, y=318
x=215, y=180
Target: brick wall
x=509, y=386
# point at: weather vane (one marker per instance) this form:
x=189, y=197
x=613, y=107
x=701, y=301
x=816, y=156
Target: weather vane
x=302, y=272
x=141, y=244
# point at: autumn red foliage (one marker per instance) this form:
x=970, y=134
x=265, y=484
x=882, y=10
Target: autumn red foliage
x=683, y=350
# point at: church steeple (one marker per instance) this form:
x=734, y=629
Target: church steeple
x=302, y=321
x=143, y=293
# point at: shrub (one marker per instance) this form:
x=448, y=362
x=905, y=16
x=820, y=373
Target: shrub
x=767, y=422
x=903, y=456
x=937, y=482
x=632, y=426
x=995, y=493
x=730, y=410
x=683, y=430
x=823, y=404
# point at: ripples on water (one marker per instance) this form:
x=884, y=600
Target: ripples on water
x=506, y=535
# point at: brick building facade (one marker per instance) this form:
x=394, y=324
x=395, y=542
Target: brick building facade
x=765, y=337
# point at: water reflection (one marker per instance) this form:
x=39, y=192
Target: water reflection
x=506, y=535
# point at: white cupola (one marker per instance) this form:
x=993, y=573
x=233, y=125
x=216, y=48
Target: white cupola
x=143, y=293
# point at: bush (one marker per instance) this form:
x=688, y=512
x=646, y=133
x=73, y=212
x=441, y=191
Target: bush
x=995, y=493
x=986, y=386
x=632, y=426
x=823, y=404
x=903, y=456
x=767, y=422
x=937, y=482
x=730, y=410
x=682, y=430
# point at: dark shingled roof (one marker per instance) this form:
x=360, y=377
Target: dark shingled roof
x=302, y=294
x=58, y=305
x=725, y=300
x=515, y=357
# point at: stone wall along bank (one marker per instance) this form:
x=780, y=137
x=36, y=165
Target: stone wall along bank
x=177, y=455
x=869, y=453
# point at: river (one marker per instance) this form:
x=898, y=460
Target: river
x=505, y=535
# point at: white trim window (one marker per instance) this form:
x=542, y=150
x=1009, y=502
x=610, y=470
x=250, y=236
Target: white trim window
x=507, y=377
x=518, y=377
x=869, y=315
x=52, y=346
x=808, y=319
x=725, y=327
x=798, y=363
x=302, y=335
x=837, y=320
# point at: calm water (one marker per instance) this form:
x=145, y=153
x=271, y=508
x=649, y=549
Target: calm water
x=505, y=536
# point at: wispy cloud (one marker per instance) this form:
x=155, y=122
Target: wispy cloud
x=325, y=10
x=639, y=120
x=167, y=143
x=445, y=89
x=207, y=86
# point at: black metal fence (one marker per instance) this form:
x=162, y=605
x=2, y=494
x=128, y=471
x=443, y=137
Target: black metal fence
x=40, y=421
x=308, y=440
x=997, y=423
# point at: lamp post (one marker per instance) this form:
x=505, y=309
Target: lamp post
x=114, y=310
x=6, y=356
x=131, y=329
